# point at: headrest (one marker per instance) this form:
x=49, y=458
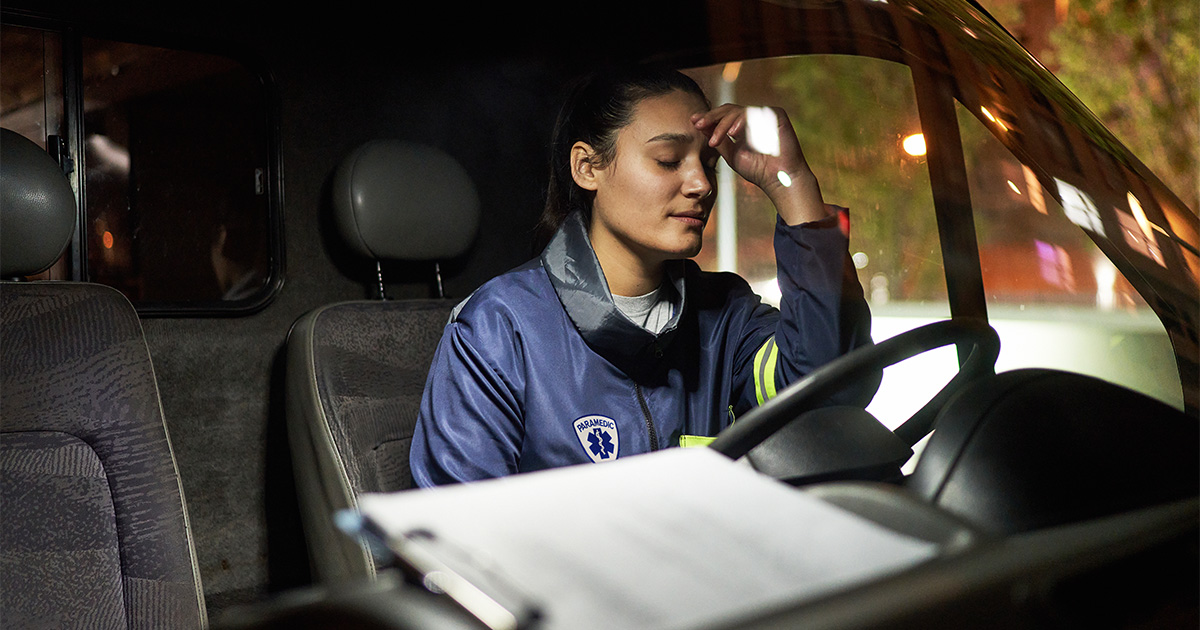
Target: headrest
x=37, y=207
x=397, y=200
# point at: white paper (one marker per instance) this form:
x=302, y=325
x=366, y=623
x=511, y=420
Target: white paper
x=666, y=540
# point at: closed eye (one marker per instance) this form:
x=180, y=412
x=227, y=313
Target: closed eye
x=669, y=165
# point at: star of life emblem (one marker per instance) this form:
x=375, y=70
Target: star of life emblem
x=599, y=437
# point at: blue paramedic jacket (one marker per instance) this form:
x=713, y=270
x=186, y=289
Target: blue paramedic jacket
x=539, y=369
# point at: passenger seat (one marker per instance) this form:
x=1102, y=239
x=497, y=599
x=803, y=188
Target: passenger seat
x=93, y=528
x=356, y=370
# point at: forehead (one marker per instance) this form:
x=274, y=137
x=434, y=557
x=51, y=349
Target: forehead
x=666, y=118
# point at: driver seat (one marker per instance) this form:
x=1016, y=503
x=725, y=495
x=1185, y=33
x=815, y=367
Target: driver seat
x=1033, y=448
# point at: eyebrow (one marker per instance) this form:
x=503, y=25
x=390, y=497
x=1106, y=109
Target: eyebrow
x=681, y=138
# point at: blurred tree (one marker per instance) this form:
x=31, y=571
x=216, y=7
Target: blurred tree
x=1135, y=64
x=861, y=163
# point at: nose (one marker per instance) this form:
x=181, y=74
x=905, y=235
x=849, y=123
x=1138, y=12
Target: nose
x=697, y=185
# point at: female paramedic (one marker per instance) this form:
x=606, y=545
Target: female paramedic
x=612, y=343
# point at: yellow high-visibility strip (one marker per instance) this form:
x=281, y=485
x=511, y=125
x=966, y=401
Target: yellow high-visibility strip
x=689, y=441
x=764, y=370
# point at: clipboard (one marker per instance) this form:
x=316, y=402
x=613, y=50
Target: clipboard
x=681, y=538
x=426, y=560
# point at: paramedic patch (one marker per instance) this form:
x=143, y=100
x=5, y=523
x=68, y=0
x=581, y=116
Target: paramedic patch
x=599, y=438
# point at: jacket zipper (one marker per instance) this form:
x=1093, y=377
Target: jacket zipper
x=646, y=414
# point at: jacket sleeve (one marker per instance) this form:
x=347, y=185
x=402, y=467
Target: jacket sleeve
x=822, y=315
x=469, y=425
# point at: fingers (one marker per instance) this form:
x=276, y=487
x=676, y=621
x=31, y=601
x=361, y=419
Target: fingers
x=727, y=122
x=757, y=143
x=768, y=125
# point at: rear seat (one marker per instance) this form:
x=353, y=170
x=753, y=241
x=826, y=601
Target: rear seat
x=93, y=528
x=356, y=370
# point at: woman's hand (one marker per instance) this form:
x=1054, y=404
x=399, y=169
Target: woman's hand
x=761, y=146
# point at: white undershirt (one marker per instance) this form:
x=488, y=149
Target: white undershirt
x=651, y=311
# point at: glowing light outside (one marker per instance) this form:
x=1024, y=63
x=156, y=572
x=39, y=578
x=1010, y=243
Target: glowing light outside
x=1143, y=222
x=1106, y=283
x=1035, y=190
x=107, y=238
x=769, y=291
x=1148, y=243
x=1055, y=265
x=731, y=71
x=726, y=209
x=989, y=116
x=861, y=260
x=109, y=154
x=914, y=145
x=1079, y=207
x=762, y=130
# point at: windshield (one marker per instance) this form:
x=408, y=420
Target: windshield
x=978, y=186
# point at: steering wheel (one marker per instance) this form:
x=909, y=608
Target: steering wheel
x=801, y=396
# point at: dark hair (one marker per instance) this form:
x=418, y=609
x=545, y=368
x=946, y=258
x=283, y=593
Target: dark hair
x=597, y=107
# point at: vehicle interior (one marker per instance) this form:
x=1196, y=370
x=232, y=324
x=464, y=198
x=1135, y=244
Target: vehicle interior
x=230, y=238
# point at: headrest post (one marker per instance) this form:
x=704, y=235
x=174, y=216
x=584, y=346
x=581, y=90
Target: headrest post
x=379, y=278
x=437, y=273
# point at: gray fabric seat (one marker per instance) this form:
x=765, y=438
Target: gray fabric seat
x=93, y=528
x=356, y=370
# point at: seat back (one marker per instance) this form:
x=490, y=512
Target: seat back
x=1034, y=448
x=356, y=370
x=93, y=528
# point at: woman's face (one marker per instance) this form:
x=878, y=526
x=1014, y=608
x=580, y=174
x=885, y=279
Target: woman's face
x=653, y=199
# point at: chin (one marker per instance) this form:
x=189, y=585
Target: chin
x=689, y=251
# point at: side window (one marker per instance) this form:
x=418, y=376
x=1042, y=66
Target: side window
x=175, y=173
x=31, y=84
x=1055, y=299
x=857, y=120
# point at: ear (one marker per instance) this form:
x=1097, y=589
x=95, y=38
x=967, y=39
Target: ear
x=583, y=170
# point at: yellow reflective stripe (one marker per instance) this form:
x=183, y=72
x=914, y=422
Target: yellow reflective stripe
x=688, y=441
x=764, y=370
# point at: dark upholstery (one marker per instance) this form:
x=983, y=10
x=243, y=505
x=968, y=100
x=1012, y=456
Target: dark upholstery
x=38, y=207
x=356, y=371
x=831, y=443
x=93, y=529
x=1034, y=448
x=93, y=532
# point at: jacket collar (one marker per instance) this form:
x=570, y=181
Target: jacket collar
x=579, y=281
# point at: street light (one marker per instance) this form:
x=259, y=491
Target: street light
x=914, y=145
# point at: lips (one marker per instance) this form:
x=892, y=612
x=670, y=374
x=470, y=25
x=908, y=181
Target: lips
x=694, y=219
